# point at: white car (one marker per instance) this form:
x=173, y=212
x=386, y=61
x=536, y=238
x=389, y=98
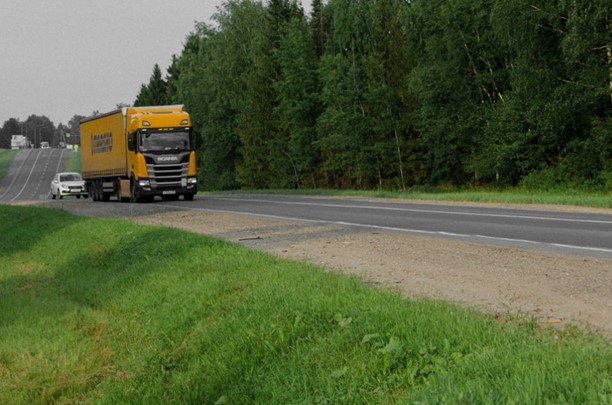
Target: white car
x=68, y=183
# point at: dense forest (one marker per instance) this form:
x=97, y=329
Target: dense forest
x=395, y=94
x=398, y=94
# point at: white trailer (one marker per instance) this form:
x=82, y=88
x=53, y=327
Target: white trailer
x=19, y=142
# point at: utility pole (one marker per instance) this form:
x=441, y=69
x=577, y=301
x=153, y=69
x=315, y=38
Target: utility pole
x=36, y=131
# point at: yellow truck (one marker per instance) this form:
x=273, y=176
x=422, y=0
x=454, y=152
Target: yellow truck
x=138, y=153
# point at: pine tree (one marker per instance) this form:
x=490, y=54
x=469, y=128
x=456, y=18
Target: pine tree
x=319, y=26
x=154, y=93
x=298, y=107
x=263, y=143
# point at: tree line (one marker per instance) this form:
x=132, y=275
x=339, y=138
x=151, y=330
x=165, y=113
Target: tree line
x=397, y=94
x=39, y=128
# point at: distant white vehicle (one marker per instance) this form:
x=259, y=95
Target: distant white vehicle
x=68, y=183
x=44, y=145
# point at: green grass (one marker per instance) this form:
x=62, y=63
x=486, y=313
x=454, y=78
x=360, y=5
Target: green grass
x=106, y=311
x=6, y=157
x=73, y=164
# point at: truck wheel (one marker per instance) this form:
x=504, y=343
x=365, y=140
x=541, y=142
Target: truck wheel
x=133, y=197
x=188, y=197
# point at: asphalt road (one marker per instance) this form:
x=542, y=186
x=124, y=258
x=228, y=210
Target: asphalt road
x=573, y=232
x=30, y=176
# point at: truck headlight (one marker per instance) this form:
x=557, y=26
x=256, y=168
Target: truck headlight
x=144, y=183
x=192, y=180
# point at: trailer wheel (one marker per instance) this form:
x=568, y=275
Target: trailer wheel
x=94, y=190
x=97, y=192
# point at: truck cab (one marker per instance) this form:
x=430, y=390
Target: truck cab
x=160, y=155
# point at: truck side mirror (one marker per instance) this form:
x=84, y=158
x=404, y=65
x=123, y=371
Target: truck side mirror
x=132, y=142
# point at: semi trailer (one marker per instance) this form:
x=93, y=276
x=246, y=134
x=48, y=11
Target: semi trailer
x=138, y=153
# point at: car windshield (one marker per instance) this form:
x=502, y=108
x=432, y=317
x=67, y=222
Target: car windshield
x=70, y=177
x=164, y=141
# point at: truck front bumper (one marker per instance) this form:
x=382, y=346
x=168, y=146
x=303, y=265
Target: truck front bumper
x=147, y=190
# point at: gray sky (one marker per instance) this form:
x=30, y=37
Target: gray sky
x=59, y=58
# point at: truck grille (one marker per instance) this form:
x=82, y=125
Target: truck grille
x=168, y=175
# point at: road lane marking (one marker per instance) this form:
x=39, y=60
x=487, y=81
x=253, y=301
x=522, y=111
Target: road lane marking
x=29, y=175
x=417, y=210
x=10, y=186
x=403, y=230
x=57, y=169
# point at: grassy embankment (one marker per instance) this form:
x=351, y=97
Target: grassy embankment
x=6, y=156
x=73, y=164
x=107, y=311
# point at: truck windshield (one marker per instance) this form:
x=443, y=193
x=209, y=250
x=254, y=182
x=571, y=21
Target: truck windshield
x=164, y=141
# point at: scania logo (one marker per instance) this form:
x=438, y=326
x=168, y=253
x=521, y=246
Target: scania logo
x=167, y=159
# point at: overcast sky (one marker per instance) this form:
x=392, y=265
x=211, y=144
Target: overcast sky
x=59, y=58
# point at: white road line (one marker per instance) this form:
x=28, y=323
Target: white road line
x=404, y=230
x=57, y=169
x=10, y=186
x=373, y=207
x=29, y=175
